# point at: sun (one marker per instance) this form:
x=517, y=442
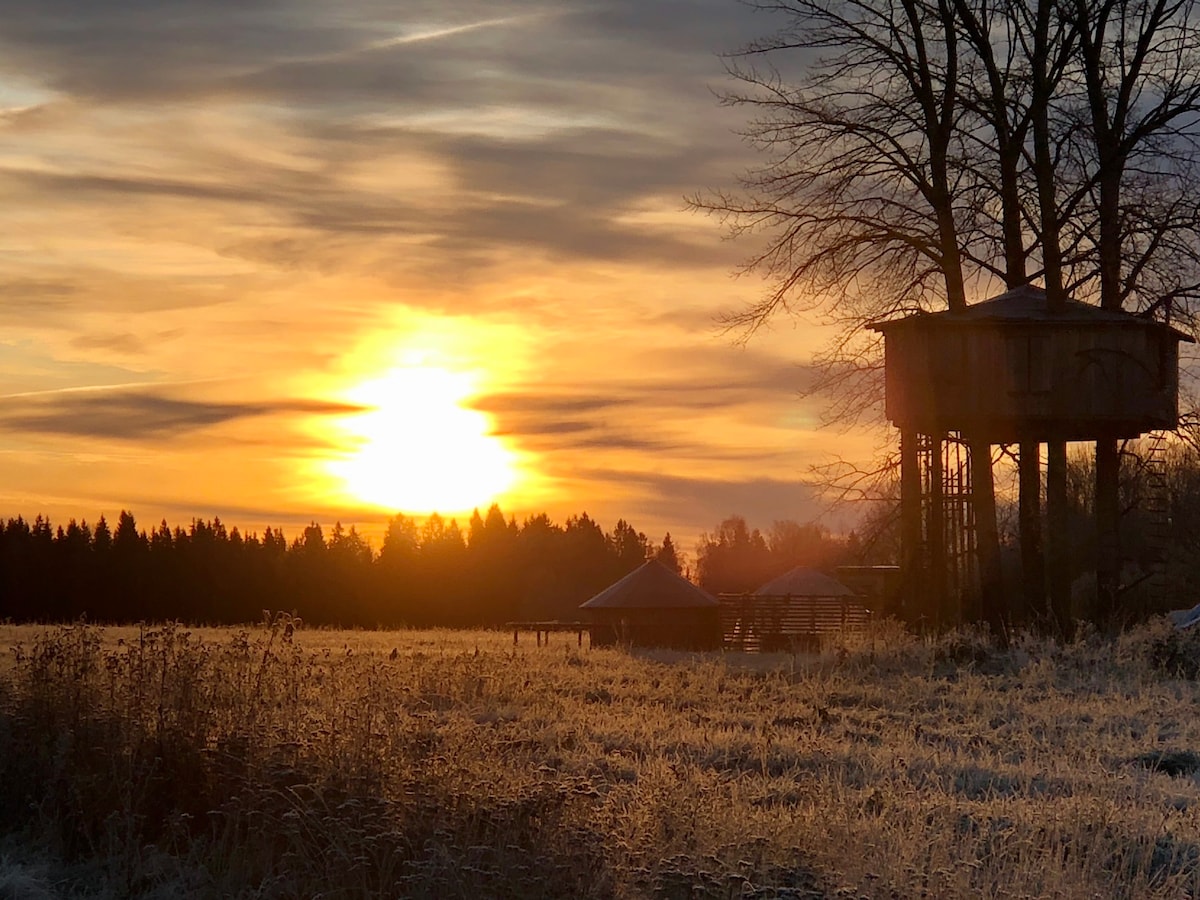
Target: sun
x=418, y=447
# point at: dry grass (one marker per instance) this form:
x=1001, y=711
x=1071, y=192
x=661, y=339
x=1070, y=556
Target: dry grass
x=219, y=763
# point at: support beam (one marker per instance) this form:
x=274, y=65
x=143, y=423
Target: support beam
x=910, y=528
x=1033, y=572
x=993, y=608
x=1108, y=522
x=936, y=537
x=1058, y=572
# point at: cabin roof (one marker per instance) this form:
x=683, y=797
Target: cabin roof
x=652, y=586
x=802, y=582
x=1027, y=304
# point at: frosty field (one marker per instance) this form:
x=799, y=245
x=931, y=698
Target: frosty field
x=167, y=762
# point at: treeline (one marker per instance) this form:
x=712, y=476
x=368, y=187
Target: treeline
x=737, y=558
x=424, y=574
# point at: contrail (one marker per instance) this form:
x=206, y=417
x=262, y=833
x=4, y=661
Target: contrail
x=449, y=30
x=121, y=386
x=430, y=33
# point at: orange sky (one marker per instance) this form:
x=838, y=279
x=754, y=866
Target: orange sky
x=276, y=260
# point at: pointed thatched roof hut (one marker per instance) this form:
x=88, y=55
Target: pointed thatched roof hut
x=653, y=606
x=802, y=582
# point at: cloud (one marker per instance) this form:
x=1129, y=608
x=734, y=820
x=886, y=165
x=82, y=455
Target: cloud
x=362, y=50
x=43, y=293
x=124, y=343
x=105, y=50
x=121, y=342
x=755, y=379
x=675, y=417
x=137, y=414
x=69, y=297
x=105, y=185
x=553, y=197
x=557, y=126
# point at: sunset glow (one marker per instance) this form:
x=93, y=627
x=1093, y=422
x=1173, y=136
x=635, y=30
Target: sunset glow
x=327, y=262
x=418, y=449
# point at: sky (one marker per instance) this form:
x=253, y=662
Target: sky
x=289, y=260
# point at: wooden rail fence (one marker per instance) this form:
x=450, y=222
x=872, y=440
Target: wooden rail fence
x=766, y=623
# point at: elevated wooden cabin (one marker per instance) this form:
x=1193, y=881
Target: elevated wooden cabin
x=1015, y=369
x=653, y=606
x=1011, y=369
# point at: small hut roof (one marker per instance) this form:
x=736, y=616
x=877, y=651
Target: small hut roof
x=1028, y=304
x=802, y=582
x=652, y=586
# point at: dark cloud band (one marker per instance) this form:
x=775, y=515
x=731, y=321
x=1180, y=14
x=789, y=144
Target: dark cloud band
x=135, y=415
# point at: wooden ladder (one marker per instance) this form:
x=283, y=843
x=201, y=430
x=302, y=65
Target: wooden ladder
x=1158, y=510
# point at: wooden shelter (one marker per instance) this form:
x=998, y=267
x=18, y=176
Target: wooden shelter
x=793, y=610
x=653, y=606
x=1013, y=369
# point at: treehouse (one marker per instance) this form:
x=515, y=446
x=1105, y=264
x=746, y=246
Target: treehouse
x=1012, y=369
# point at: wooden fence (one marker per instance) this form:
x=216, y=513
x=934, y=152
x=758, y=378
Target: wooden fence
x=769, y=622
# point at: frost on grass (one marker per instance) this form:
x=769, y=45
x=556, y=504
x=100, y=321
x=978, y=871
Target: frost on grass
x=160, y=762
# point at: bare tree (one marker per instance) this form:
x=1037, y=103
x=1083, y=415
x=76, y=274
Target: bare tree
x=1139, y=62
x=865, y=198
x=926, y=145
x=1020, y=57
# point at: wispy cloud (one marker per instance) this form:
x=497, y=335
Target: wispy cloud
x=136, y=413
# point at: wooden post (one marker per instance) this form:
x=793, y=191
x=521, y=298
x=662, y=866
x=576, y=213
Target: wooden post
x=1058, y=573
x=1108, y=523
x=936, y=537
x=993, y=609
x=1033, y=574
x=910, y=524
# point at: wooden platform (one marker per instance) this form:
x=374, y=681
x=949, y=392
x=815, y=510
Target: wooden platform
x=756, y=622
x=543, y=629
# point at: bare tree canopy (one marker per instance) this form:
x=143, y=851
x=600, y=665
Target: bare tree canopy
x=915, y=152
